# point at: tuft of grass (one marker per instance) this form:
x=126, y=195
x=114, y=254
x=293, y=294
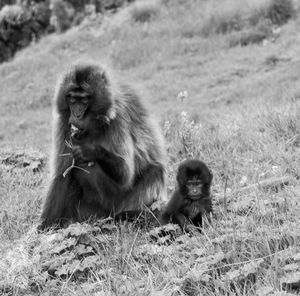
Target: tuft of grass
x=61, y=15
x=236, y=15
x=251, y=35
x=144, y=11
x=233, y=15
x=13, y=14
x=280, y=11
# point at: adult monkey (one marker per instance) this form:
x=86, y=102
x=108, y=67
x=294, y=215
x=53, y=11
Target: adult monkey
x=107, y=133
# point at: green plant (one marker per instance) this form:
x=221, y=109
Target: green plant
x=144, y=11
x=252, y=35
x=280, y=11
x=236, y=15
x=6, y=2
x=13, y=14
x=62, y=15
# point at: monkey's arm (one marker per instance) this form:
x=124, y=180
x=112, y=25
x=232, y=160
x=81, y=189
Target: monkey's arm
x=173, y=207
x=174, y=211
x=60, y=189
x=112, y=164
x=207, y=209
x=180, y=219
x=57, y=198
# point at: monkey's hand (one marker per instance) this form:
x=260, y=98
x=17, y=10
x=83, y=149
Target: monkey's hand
x=84, y=153
x=190, y=228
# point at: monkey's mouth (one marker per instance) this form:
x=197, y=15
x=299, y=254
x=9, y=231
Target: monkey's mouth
x=195, y=194
x=194, y=197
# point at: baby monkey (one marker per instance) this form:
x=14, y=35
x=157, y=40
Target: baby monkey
x=191, y=199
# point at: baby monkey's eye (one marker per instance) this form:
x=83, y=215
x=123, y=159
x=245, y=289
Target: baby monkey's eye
x=72, y=100
x=85, y=101
x=194, y=182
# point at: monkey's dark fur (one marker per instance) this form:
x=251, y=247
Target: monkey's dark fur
x=183, y=208
x=120, y=147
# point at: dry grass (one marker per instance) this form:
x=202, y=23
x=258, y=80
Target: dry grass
x=143, y=11
x=241, y=116
x=234, y=15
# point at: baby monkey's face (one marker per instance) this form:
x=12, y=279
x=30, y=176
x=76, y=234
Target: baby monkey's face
x=194, y=187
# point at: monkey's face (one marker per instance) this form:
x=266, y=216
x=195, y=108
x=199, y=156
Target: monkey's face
x=194, y=188
x=87, y=114
x=194, y=179
x=78, y=102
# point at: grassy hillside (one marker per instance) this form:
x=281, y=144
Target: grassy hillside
x=241, y=116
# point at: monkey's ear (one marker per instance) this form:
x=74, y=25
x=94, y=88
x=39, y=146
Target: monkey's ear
x=104, y=77
x=181, y=176
x=99, y=76
x=210, y=175
x=111, y=113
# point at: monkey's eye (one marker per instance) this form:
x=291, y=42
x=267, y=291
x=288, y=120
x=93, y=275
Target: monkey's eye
x=72, y=100
x=85, y=101
x=194, y=182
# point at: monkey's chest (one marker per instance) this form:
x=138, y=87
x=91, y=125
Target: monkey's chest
x=192, y=210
